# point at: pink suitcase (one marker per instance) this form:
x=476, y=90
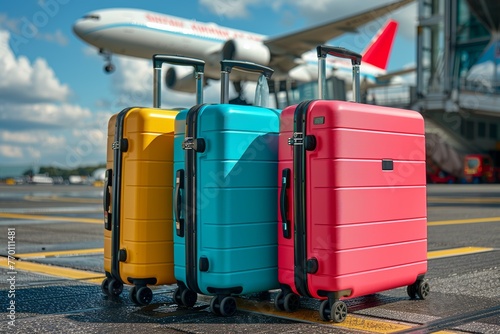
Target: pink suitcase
x=352, y=199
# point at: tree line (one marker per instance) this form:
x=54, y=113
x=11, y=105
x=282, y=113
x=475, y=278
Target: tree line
x=64, y=173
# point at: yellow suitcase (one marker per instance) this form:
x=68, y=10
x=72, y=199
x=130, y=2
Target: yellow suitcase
x=138, y=240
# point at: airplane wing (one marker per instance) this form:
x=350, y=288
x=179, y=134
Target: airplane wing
x=387, y=77
x=285, y=49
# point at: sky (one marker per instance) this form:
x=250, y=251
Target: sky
x=56, y=100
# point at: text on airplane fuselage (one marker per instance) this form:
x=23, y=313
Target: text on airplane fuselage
x=201, y=28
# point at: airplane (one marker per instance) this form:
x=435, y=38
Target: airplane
x=141, y=33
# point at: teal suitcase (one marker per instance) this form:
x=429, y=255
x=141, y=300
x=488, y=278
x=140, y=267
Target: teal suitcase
x=225, y=165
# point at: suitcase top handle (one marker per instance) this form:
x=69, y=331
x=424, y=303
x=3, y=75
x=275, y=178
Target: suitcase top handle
x=159, y=59
x=246, y=66
x=198, y=64
x=340, y=52
x=228, y=65
x=323, y=51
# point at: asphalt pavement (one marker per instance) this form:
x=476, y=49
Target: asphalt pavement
x=51, y=281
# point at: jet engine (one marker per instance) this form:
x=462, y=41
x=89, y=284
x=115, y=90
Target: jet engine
x=181, y=78
x=246, y=50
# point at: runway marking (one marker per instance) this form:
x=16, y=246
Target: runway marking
x=53, y=218
x=56, y=271
x=100, y=221
x=75, y=252
x=457, y=252
x=353, y=322
x=62, y=199
x=465, y=221
x=475, y=200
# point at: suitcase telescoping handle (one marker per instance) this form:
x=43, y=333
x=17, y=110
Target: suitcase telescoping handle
x=228, y=65
x=323, y=51
x=199, y=68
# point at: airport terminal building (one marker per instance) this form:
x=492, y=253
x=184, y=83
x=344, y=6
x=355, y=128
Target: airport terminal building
x=458, y=81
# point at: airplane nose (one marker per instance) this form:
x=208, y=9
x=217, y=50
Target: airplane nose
x=78, y=28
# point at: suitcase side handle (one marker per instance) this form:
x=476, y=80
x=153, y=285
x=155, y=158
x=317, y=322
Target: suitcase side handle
x=246, y=66
x=179, y=184
x=106, y=199
x=285, y=184
x=159, y=59
x=323, y=51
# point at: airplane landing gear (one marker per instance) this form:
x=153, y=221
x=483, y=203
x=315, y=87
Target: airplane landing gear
x=109, y=67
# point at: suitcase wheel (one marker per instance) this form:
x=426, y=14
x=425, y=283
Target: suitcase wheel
x=115, y=287
x=223, y=305
x=336, y=312
x=418, y=289
x=289, y=302
x=144, y=295
x=104, y=286
x=185, y=297
x=140, y=295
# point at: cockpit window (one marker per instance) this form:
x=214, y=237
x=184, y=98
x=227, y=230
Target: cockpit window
x=92, y=17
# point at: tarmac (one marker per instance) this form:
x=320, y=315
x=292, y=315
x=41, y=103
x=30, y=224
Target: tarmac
x=51, y=268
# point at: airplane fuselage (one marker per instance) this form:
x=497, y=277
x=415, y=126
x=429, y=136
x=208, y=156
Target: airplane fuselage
x=140, y=33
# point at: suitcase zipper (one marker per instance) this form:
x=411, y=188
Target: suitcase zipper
x=116, y=189
x=300, y=200
x=191, y=146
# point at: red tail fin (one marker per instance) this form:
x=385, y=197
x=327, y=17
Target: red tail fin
x=378, y=51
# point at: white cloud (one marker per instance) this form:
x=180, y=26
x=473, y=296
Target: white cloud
x=229, y=8
x=26, y=82
x=10, y=151
x=57, y=37
x=36, y=121
x=42, y=115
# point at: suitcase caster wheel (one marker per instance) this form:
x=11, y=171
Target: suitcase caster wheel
x=228, y=306
x=177, y=297
x=418, y=289
x=132, y=295
x=215, y=306
x=115, y=288
x=104, y=286
x=423, y=290
x=144, y=295
x=188, y=298
x=337, y=313
x=291, y=302
x=411, y=290
x=278, y=301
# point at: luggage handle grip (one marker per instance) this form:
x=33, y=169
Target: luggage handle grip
x=159, y=59
x=323, y=51
x=198, y=64
x=337, y=51
x=246, y=66
x=179, y=184
x=285, y=184
x=107, y=198
x=228, y=65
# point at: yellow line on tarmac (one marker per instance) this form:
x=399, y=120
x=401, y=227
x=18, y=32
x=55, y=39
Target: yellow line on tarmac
x=53, y=218
x=56, y=271
x=456, y=252
x=485, y=200
x=465, y=221
x=353, y=322
x=62, y=199
x=61, y=253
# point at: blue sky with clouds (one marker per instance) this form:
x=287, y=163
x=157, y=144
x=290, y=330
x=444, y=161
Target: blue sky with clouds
x=55, y=99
